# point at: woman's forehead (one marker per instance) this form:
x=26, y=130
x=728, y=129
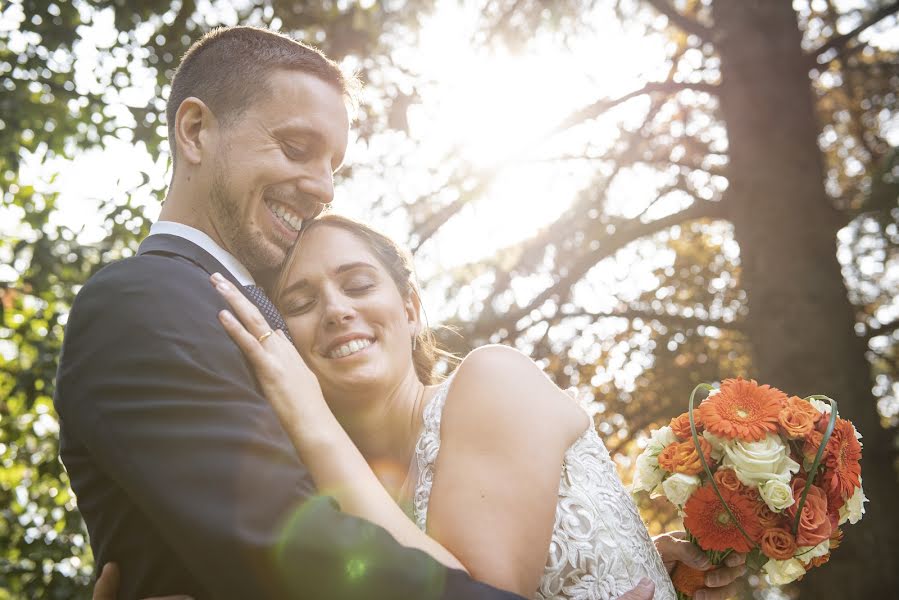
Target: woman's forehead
x=326, y=247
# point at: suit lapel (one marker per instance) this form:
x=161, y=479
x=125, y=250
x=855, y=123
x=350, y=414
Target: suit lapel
x=172, y=245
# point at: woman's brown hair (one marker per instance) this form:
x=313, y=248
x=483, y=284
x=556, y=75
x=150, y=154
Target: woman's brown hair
x=398, y=263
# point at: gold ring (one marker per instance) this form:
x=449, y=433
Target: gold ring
x=264, y=336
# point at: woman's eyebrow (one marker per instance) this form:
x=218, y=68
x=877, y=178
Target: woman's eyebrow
x=359, y=264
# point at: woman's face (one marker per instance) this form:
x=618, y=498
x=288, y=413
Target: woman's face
x=348, y=319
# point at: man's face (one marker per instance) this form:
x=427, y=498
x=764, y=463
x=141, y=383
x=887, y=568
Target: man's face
x=273, y=167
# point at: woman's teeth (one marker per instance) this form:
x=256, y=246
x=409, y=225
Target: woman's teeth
x=349, y=348
x=287, y=216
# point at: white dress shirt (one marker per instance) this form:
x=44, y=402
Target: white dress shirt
x=205, y=242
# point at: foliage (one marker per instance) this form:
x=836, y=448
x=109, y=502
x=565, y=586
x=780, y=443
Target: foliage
x=631, y=356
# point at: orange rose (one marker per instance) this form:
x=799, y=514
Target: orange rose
x=767, y=517
x=687, y=580
x=797, y=417
x=680, y=425
x=814, y=523
x=811, y=444
x=681, y=457
x=727, y=478
x=778, y=543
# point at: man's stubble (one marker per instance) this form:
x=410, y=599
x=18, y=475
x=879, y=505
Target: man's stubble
x=246, y=243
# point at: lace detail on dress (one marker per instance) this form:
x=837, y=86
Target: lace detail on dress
x=600, y=547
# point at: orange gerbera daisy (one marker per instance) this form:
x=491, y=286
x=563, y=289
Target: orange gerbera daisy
x=709, y=522
x=841, y=459
x=742, y=409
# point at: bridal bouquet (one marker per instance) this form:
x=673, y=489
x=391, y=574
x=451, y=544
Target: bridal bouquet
x=754, y=470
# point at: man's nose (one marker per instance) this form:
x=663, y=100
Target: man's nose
x=318, y=183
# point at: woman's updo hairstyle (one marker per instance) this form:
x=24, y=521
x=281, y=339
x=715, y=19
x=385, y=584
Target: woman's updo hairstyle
x=398, y=263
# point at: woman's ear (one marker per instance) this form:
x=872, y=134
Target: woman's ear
x=193, y=122
x=413, y=312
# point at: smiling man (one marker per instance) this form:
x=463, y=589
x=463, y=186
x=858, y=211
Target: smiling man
x=183, y=474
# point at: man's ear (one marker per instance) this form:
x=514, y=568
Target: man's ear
x=193, y=123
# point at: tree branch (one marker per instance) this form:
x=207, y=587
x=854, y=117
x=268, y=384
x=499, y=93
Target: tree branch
x=624, y=235
x=682, y=21
x=601, y=106
x=840, y=41
x=665, y=318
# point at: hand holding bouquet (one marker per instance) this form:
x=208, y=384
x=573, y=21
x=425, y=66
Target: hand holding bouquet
x=754, y=470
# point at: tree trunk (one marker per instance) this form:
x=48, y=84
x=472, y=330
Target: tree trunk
x=800, y=320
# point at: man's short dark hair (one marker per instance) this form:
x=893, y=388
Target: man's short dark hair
x=229, y=68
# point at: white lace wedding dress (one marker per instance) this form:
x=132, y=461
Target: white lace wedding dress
x=600, y=547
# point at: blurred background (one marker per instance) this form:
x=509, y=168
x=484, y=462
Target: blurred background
x=640, y=194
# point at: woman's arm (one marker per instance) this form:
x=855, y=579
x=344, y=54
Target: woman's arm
x=504, y=433
x=336, y=465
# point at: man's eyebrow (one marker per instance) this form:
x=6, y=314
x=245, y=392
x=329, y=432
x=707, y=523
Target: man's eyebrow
x=299, y=130
x=303, y=283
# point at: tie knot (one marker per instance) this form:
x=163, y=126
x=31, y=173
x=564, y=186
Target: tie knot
x=267, y=308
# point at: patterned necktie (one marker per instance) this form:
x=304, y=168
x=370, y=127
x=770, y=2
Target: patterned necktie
x=267, y=308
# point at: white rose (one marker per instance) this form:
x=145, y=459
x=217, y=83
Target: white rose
x=648, y=474
x=758, y=462
x=661, y=437
x=823, y=407
x=854, y=508
x=807, y=553
x=679, y=487
x=782, y=572
x=776, y=494
x=717, y=444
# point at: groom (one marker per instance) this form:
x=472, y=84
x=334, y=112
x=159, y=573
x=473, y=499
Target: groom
x=183, y=474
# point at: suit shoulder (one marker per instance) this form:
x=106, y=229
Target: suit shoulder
x=168, y=287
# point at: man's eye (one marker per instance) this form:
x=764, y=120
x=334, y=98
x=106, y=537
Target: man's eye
x=293, y=152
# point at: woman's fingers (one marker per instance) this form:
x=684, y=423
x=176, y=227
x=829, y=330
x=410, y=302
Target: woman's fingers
x=724, y=576
x=721, y=593
x=242, y=308
x=107, y=585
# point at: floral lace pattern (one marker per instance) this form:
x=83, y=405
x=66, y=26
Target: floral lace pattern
x=600, y=547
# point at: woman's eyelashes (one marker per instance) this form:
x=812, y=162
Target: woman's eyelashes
x=303, y=304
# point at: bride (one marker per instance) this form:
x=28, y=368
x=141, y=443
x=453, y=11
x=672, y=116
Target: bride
x=494, y=470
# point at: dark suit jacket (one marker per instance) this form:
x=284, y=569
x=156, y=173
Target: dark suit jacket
x=182, y=471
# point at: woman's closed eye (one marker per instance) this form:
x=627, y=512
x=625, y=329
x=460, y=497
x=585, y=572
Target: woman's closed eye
x=298, y=306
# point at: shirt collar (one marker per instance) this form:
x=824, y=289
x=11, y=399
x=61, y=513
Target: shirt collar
x=205, y=242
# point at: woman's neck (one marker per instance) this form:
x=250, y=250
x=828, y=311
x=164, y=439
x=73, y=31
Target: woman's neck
x=385, y=425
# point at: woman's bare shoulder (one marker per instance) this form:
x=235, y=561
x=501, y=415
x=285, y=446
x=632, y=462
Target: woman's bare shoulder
x=500, y=387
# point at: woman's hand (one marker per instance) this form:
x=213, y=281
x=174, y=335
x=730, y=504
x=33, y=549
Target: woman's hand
x=281, y=371
x=107, y=586
x=720, y=581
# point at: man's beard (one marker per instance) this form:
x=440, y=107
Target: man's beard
x=247, y=244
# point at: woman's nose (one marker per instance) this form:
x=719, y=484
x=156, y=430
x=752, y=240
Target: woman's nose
x=338, y=310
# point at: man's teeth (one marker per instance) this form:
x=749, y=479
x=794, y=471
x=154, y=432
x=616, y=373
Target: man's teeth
x=350, y=347
x=287, y=216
